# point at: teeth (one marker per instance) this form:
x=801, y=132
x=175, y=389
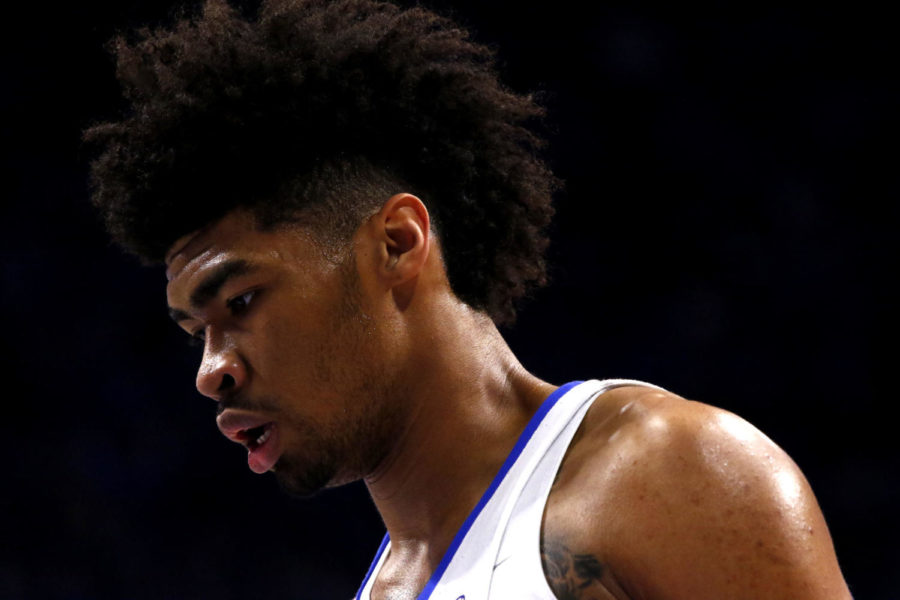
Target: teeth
x=262, y=439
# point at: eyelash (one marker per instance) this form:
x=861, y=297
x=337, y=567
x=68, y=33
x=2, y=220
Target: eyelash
x=197, y=339
x=237, y=305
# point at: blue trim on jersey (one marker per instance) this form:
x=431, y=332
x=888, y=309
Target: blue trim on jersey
x=524, y=437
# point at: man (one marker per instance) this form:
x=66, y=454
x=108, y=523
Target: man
x=347, y=201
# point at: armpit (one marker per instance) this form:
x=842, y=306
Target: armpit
x=573, y=575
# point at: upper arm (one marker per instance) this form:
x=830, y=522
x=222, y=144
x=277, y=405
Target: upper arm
x=692, y=502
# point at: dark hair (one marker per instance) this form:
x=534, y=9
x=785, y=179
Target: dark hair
x=315, y=97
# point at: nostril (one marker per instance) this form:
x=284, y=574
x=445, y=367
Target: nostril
x=228, y=383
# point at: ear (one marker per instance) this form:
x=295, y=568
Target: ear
x=403, y=239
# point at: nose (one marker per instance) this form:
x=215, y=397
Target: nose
x=221, y=372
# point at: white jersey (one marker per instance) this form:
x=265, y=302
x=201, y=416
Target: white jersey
x=496, y=553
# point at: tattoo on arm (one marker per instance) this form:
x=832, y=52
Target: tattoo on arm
x=571, y=576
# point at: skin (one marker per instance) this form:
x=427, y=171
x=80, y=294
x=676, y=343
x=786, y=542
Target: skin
x=370, y=368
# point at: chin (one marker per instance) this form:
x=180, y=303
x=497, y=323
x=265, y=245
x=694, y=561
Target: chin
x=304, y=481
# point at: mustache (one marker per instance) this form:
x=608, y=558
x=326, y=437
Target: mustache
x=242, y=401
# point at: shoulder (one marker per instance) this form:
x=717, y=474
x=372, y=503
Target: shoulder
x=679, y=499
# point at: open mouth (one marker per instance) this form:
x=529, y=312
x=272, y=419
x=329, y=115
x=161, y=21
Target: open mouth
x=263, y=448
x=255, y=437
x=259, y=436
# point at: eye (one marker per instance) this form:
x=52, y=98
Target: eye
x=240, y=304
x=198, y=338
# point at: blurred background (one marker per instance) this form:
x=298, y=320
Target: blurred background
x=728, y=231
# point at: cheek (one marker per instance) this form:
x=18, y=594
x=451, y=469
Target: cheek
x=277, y=349
x=308, y=356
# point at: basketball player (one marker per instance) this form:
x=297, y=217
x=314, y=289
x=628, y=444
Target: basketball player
x=347, y=202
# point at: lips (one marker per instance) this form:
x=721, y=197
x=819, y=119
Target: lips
x=258, y=434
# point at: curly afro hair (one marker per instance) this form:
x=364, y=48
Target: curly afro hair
x=324, y=107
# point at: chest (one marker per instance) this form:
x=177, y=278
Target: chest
x=547, y=569
x=501, y=553
x=507, y=548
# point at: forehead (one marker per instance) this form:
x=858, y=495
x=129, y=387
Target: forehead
x=232, y=232
x=235, y=236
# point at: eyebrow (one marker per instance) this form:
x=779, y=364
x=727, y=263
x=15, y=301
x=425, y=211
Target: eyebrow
x=212, y=284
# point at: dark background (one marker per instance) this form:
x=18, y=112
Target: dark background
x=728, y=231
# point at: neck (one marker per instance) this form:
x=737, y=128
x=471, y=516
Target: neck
x=470, y=401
